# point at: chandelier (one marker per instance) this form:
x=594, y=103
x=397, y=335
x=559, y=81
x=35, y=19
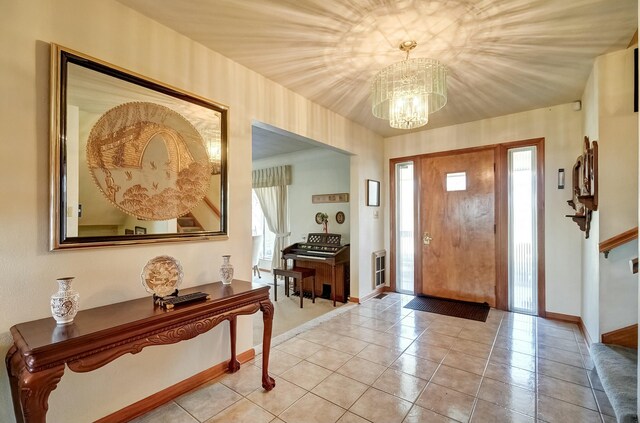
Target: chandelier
x=406, y=92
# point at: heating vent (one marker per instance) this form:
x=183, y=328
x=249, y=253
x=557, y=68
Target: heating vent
x=379, y=264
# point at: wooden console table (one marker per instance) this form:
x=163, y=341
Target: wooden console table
x=36, y=361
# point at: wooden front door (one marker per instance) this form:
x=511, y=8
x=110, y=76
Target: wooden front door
x=457, y=226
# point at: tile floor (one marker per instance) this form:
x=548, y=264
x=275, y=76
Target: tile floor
x=383, y=363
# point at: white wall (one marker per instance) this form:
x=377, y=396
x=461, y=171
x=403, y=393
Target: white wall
x=112, y=32
x=589, y=247
x=561, y=126
x=618, y=187
x=315, y=171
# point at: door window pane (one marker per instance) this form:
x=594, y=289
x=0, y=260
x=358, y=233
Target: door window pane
x=404, y=228
x=457, y=181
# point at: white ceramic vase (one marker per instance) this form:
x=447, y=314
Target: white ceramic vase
x=226, y=270
x=64, y=303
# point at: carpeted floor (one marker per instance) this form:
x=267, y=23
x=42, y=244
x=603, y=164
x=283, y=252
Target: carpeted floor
x=287, y=311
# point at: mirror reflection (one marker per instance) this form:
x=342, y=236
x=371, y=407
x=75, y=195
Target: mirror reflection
x=137, y=160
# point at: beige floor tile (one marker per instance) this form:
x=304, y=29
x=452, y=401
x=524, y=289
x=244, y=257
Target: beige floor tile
x=514, y=359
x=418, y=414
x=429, y=352
x=377, y=324
x=604, y=404
x=456, y=379
x=436, y=339
x=245, y=380
x=445, y=328
x=567, y=391
x=516, y=345
x=346, y=344
x=563, y=371
x=279, y=361
x=299, y=347
x=564, y=333
x=379, y=355
x=349, y=417
x=208, y=401
x=483, y=336
x=361, y=370
x=447, y=402
x=329, y=358
x=556, y=411
x=465, y=362
x=400, y=384
x=168, y=413
x=509, y=396
x=312, y=409
x=561, y=356
x=306, y=375
x=485, y=412
x=417, y=320
x=512, y=375
x=476, y=349
x=404, y=331
x=340, y=390
x=518, y=334
x=278, y=399
x=415, y=366
x=243, y=411
x=561, y=343
x=390, y=341
x=380, y=407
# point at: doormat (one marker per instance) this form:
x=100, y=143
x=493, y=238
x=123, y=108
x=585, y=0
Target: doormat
x=380, y=296
x=455, y=308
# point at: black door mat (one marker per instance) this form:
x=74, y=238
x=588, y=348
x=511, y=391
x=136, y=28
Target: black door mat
x=380, y=296
x=455, y=308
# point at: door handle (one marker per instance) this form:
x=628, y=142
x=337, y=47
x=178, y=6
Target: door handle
x=426, y=238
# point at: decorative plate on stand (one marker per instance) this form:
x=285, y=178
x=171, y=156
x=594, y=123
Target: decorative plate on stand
x=162, y=276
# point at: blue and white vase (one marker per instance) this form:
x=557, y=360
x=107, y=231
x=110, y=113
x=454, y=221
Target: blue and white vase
x=226, y=270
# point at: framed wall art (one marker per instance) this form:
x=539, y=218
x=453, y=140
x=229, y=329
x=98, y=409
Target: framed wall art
x=373, y=193
x=128, y=151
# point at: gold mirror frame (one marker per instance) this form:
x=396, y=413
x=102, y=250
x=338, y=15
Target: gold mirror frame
x=61, y=59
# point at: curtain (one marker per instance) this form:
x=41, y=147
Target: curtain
x=270, y=186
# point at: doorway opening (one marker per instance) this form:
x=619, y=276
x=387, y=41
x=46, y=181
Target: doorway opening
x=523, y=229
x=404, y=228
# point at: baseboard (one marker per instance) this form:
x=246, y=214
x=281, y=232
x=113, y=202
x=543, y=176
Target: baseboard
x=585, y=333
x=627, y=337
x=379, y=290
x=154, y=401
x=563, y=317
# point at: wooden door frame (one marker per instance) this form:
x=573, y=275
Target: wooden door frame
x=502, y=220
x=501, y=217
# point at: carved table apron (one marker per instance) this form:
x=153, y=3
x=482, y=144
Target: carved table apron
x=36, y=361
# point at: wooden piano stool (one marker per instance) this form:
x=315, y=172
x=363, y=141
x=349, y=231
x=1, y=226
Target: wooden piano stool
x=299, y=274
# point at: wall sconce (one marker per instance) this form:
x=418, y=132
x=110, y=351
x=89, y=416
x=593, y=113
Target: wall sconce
x=560, y=178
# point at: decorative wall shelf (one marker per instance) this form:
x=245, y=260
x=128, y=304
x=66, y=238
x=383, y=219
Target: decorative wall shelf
x=585, y=186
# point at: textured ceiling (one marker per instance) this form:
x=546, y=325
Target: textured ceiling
x=502, y=56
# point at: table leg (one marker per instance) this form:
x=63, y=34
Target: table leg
x=234, y=364
x=267, y=317
x=275, y=286
x=333, y=285
x=30, y=391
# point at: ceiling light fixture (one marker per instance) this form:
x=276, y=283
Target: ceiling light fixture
x=406, y=92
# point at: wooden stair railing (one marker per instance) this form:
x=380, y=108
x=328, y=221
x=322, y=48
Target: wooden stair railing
x=213, y=207
x=607, y=245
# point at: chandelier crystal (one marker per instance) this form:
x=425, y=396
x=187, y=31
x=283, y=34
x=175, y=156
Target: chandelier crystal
x=406, y=92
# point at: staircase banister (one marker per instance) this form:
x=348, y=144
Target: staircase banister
x=618, y=240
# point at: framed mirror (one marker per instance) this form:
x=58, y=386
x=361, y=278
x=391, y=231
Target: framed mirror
x=132, y=160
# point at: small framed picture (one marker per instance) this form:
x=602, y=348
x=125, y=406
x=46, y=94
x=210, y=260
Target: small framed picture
x=373, y=193
x=140, y=230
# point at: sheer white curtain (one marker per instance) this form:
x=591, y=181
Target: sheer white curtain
x=270, y=186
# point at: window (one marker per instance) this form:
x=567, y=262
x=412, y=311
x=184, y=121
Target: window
x=259, y=227
x=457, y=181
